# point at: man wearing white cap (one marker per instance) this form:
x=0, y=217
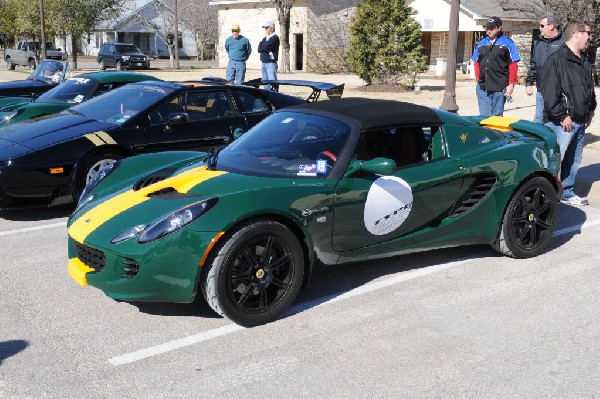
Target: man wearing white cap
x=268, y=49
x=238, y=49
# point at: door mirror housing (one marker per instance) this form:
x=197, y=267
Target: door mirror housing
x=237, y=133
x=377, y=166
x=177, y=118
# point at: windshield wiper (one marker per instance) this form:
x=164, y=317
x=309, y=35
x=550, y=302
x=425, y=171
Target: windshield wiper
x=213, y=155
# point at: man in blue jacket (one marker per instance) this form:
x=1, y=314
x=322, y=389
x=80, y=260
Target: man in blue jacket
x=550, y=40
x=238, y=49
x=268, y=49
x=570, y=102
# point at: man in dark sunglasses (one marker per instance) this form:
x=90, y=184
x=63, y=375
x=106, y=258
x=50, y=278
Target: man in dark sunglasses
x=570, y=102
x=550, y=39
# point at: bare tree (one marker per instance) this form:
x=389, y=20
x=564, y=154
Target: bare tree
x=284, y=8
x=201, y=19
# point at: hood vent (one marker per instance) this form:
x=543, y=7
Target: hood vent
x=154, y=178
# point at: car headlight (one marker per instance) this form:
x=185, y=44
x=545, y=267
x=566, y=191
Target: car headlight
x=125, y=58
x=173, y=222
x=102, y=173
x=8, y=117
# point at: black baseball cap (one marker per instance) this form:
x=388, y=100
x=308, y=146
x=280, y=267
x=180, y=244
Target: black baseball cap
x=493, y=22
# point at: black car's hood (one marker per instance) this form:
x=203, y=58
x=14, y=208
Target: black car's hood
x=23, y=87
x=50, y=130
x=10, y=150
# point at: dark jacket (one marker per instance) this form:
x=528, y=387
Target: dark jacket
x=269, y=46
x=568, y=88
x=542, y=49
x=494, y=59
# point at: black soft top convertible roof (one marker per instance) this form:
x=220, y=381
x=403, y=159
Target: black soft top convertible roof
x=370, y=113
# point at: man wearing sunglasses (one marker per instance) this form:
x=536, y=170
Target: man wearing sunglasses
x=495, y=60
x=550, y=39
x=238, y=49
x=570, y=102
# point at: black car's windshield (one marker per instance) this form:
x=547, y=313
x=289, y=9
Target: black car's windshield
x=49, y=71
x=73, y=91
x=121, y=104
x=287, y=144
x=127, y=48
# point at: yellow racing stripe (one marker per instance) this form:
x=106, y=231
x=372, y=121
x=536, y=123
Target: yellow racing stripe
x=94, y=218
x=106, y=137
x=94, y=139
x=499, y=121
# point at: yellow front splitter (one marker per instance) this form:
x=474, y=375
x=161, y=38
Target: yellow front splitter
x=77, y=271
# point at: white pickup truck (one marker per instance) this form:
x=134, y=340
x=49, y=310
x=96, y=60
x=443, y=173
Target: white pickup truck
x=28, y=52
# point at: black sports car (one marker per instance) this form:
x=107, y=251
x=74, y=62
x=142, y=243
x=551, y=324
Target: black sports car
x=47, y=75
x=47, y=161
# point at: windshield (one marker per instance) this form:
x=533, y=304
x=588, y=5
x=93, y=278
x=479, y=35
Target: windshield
x=127, y=48
x=287, y=144
x=73, y=91
x=50, y=71
x=121, y=104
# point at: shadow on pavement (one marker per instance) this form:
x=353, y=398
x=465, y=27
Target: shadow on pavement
x=26, y=215
x=11, y=348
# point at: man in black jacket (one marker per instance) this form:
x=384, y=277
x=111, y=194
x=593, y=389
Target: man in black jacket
x=569, y=102
x=550, y=39
x=268, y=49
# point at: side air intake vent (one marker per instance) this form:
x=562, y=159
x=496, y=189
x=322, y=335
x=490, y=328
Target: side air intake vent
x=481, y=186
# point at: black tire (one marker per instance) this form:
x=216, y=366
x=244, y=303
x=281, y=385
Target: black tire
x=529, y=220
x=32, y=65
x=256, y=273
x=91, y=165
x=101, y=65
x=9, y=64
x=119, y=66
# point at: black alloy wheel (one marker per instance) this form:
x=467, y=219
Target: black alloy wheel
x=529, y=221
x=256, y=274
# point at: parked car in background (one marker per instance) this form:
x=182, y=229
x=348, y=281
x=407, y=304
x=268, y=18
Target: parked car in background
x=71, y=92
x=329, y=182
x=47, y=161
x=27, y=52
x=47, y=75
x=121, y=56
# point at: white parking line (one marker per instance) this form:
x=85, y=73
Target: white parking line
x=367, y=288
x=35, y=228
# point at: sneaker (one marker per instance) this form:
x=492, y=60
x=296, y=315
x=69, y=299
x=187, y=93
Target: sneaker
x=575, y=200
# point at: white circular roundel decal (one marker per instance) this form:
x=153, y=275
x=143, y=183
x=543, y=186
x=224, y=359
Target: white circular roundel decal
x=388, y=204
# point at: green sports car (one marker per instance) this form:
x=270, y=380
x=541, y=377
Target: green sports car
x=323, y=183
x=67, y=94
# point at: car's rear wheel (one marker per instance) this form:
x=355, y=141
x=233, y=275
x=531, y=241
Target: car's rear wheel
x=119, y=66
x=32, y=65
x=256, y=273
x=101, y=65
x=91, y=166
x=9, y=64
x=529, y=220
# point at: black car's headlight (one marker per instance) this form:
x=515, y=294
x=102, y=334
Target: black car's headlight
x=8, y=117
x=167, y=225
x=102, y=173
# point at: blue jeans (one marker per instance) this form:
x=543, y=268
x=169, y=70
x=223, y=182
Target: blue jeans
x=571, y=149
x=269, y=72
x=236, y=72
x=539, y=108
x=490, y=102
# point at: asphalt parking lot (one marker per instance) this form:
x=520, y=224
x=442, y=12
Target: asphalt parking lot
x=460, y=322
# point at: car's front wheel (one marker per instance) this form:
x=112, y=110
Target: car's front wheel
x=256, y=273
x=9, y=64
x=101, y=65
x=529, y=220
x=119, y=66
x=90, y=166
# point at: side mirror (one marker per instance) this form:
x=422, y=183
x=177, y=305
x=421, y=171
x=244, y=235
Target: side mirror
x=237, y=133
x=177, y=118
x=378, y=166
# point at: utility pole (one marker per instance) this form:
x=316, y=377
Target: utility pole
x=43, y=29
x=449, y=103
x=176, y=38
